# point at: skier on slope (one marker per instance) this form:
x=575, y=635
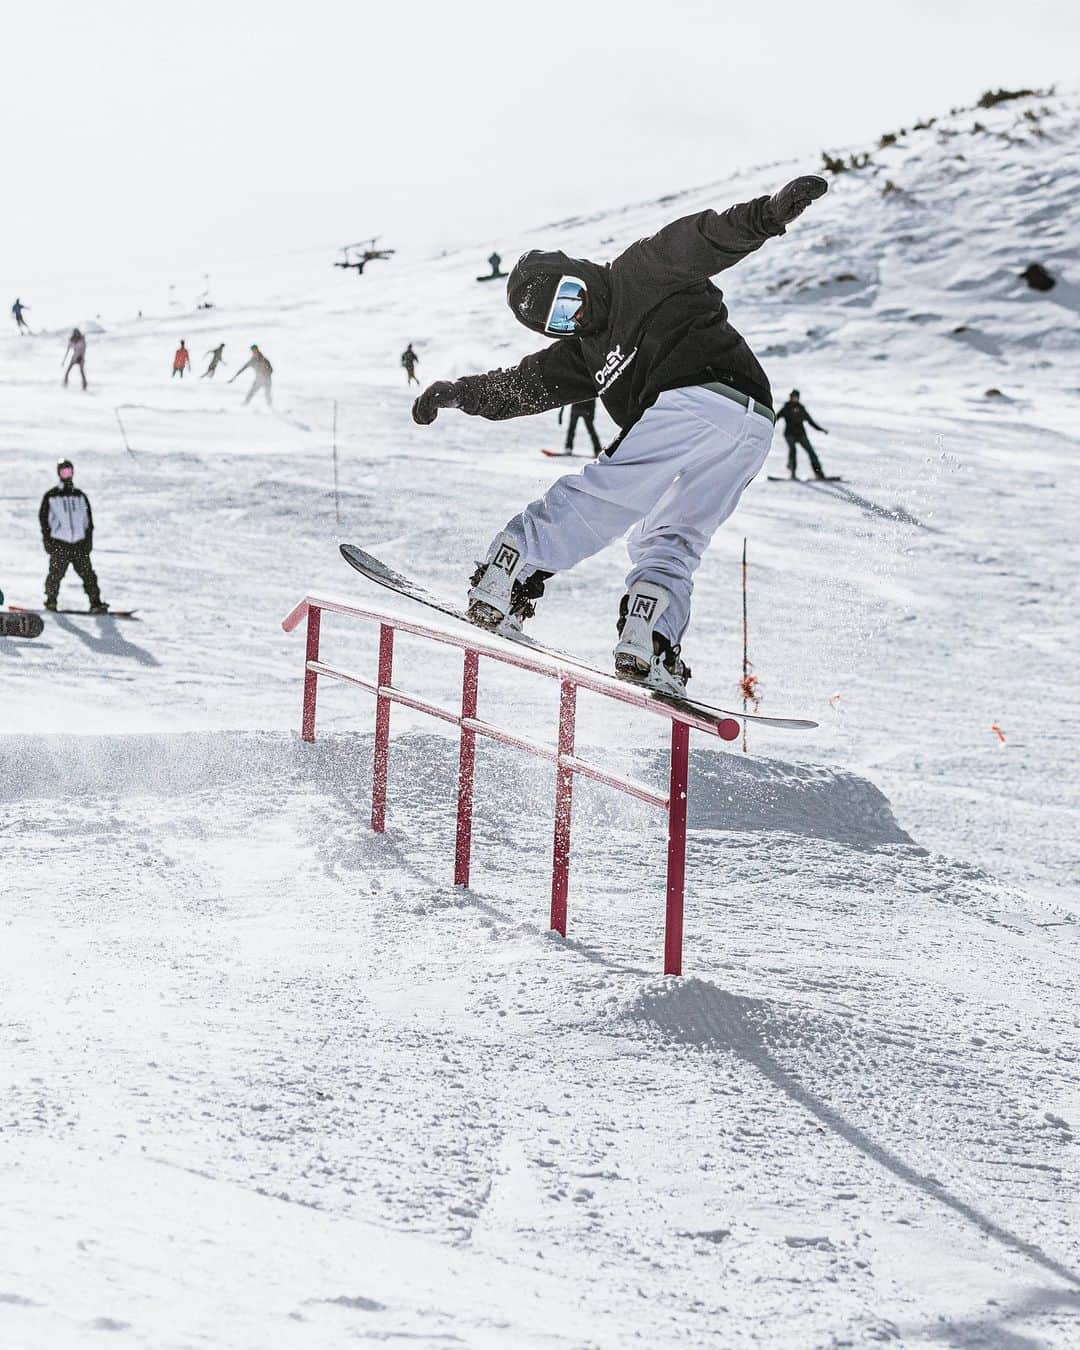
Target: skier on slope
x=649, y=334
x=796, y=415
x=77, y=347
x=18, y=309
x=263, y=372
x=216, y=359
x=410, y=361
x=67, y=533
x=585, y=411
x=181, y=360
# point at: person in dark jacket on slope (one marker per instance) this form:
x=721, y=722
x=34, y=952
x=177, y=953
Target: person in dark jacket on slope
x=796, y=416
x=585, y=411
x=67, y=533
x=649, y=334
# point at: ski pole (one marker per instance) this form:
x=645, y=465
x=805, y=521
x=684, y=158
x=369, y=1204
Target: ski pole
x=123, y=433
x=337, y=500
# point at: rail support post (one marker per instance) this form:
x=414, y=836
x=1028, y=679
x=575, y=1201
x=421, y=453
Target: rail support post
x=466, y=769
x=564, y=799
x=381, y=760
x=676, y=853
x=311, y=679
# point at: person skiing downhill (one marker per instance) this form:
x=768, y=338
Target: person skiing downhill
x=796, y=415
x=181, y=360
x=77, y=347
x=19, y=309
x=649, y=334
x=67, y=534
x=410, y=361
x=216, y=359
x=263, y=371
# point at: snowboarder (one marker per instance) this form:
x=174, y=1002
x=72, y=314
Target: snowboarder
x=181, y=360
x=649, y=334
x=18, y=309
x=216, y=359
x=263, y=371
x=67, y=532
x=410, y=361
x=495, y=262
x=77, y=347
x=584, y=411
x=796, y=415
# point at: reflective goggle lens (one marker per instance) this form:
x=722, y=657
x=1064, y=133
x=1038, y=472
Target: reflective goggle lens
x=568, y=300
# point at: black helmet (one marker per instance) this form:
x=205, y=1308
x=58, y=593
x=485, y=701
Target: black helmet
x=794, y=394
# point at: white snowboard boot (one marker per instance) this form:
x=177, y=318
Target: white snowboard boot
x=643, y=655
x=492, y=593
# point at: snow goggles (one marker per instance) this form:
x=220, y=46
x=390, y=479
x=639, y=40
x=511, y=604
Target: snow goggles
x=66, y=473
x=569, y=298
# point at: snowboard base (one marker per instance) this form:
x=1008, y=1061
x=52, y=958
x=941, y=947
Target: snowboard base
x=109, y=613
x=787, y=478
x=21, y=623
x=724, y=718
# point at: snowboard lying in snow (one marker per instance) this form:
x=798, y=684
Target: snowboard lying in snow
x=377, y=571
x=21, y=623
x=787, y=478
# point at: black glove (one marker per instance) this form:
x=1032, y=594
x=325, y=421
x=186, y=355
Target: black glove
x=794, y=197
x=47, y=544
x=441, y=394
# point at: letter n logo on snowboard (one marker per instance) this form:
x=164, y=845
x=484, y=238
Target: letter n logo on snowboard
x=506, y=559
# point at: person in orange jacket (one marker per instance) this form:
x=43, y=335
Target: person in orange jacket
x=181, y=360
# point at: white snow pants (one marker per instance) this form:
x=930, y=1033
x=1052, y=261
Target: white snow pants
x=675, y=477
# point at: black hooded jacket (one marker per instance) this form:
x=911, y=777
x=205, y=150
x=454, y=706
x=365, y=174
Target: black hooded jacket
x=653, y=321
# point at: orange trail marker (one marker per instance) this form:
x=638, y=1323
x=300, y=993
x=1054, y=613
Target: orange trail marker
x=1000, y=734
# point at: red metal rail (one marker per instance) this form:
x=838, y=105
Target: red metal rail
x=567, y=762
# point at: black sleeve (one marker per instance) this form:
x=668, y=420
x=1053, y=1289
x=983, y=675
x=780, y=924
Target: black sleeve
x=699, y=246
x=546, y=379
x=811, y=420
x=43, y=517
x=89, y=537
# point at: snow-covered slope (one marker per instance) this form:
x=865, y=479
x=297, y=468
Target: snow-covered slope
x=273, y=1082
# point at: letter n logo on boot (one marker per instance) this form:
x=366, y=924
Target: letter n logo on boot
x=644, y=607
x=506, y=558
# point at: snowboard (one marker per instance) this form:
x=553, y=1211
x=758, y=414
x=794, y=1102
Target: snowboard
x=378, y=572
x=786, y=478
x=494, y=276
x=21, y=623
x=109, y=613
x=561, y=454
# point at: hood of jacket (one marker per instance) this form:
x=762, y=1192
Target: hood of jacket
x=530, y=289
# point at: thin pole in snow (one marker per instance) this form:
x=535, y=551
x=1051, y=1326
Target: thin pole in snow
x=123, y=433
x=337, y=499
x=745, y=646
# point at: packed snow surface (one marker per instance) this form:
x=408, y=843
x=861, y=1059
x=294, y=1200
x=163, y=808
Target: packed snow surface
x=270, y=1080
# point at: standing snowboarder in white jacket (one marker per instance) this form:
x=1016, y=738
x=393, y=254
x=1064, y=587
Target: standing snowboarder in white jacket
x=67, y=533
x=648, y=334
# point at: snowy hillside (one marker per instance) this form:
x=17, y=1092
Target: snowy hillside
x=272, y=1081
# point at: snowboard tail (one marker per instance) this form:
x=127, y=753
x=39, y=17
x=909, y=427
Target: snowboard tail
x=21, y=623
x=379, y=572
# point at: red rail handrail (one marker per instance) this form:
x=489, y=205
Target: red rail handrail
x=563, y=756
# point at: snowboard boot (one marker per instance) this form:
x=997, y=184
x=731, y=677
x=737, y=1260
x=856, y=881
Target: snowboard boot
x=496, y=596
x=50, y=604
x=99, y=607
x=642, y=655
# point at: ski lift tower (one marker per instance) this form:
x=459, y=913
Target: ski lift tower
x=357, y=256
